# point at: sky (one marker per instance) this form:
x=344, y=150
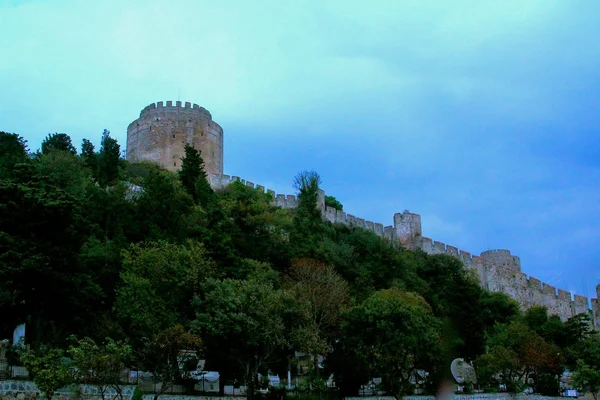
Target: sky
x=481, y=116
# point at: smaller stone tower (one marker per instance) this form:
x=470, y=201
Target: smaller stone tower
x=161, y=132
x=502, y=258
x=407, y=227
x=596, y=309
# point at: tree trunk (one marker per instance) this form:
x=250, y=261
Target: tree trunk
x=249, y=381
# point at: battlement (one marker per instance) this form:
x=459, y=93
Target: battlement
x=188, y=109
x=280, y=200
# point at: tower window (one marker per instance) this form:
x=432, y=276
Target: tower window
x=173, y=136
x=174, y=164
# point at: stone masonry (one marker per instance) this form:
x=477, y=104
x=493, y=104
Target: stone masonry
x=161, y=132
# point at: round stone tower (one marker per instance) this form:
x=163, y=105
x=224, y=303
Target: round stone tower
x=502, y=258
x=161, y=132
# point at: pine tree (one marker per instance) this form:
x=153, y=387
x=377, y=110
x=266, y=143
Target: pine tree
x=193, y=177
x=108, y=160
x=90, y=157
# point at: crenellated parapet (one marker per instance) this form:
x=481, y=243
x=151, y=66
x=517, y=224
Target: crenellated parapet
x=160, y=109
x=280, y=200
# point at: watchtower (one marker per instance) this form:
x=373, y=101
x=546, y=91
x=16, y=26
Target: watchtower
x=161, y=133
x=502, y=258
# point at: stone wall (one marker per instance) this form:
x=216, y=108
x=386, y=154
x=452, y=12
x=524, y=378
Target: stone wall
x=498, y=270
x=480, y=396
x=26, y=390
x=161, y=132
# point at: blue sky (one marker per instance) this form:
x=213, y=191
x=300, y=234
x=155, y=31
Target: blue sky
x=482, y=116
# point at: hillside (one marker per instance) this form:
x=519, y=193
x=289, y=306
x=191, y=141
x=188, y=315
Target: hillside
x=93, y=246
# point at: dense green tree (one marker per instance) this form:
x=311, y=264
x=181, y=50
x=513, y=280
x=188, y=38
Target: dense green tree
x=89, y=157
x=41, y=229
x=159, y=281
x=65, y=171
x=587, y=378
x=243, y=319
x=308, y=227
x=13, y=150
x=168, y=355
x=58, y=142
x=101, y=365
x=518, y=355
x=454, y=293
x=50, y=371
x=164, y=211
x=253, y=227
x=394, y=333
x=331, y=201
x=319, y=295
x=107, y=160
x=193, y=176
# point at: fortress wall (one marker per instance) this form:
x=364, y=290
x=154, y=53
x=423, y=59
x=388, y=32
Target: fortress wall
x=498, y=270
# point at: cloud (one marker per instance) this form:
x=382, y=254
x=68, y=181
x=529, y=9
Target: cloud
x=480, y=116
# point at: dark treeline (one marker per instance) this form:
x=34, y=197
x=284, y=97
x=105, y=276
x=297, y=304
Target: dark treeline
x=101, y=254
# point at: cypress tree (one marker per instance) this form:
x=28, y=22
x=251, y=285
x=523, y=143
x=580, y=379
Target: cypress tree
x=193, y=177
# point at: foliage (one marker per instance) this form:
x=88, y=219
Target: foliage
x=95, y=246
x=137, y=394
x=108, y=160
x=58, y=142
x=101, y=365
x=159, y=280
x=392, y=334
x=319, y=295
x=167, y=355
x=587, y=378
x=41, y=229
x=249, y=226
x=308, y=226
x=331, y=201
x=244, y=318
x=519, y=356
x=50, y=371
x=193, y=176
x=13, y=150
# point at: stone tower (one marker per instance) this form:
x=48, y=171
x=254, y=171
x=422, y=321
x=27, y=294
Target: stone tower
x=161, y=132
x=503, y=258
